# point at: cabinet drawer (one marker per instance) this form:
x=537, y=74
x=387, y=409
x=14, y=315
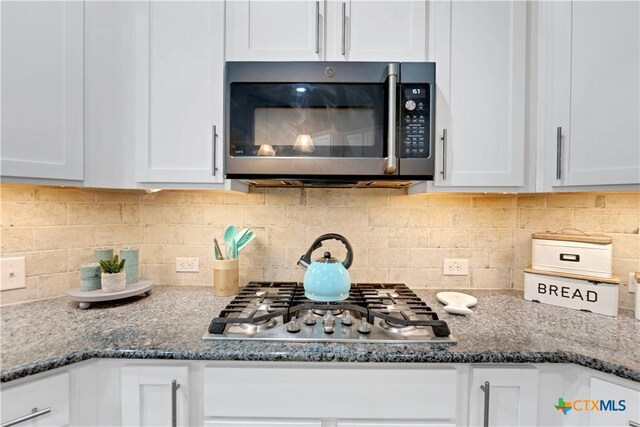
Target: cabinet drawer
x=50, y=392
x=330, y=392
x=618, y=405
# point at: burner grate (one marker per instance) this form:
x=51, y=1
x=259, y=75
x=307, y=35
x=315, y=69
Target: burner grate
x=395, y=303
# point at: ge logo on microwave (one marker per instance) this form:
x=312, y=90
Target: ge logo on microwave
x=329, y=71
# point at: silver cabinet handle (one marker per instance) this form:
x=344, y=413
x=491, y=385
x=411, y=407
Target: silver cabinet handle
x=559, y=153
x=344, y=28
x=443, y=171
x=214, y=140
x=34, y=414
x=317, y=27
x=174, y=404
x=486, y=388
x=391, y=127
x=633, y=424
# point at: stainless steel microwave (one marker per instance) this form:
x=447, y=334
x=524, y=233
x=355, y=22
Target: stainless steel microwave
x=329, y=123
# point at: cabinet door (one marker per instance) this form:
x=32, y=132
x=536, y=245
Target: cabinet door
x=593, y=94
x=377, y=31
x=480, y=53
x=246, y=422
x=265, y=30
x=185, y=80
x=615, y=397
x=147, y=395
x=110, y=61
x=392, y=424
x=42, y=89
x=406, y=390
x=51, y=392
x=513, y=396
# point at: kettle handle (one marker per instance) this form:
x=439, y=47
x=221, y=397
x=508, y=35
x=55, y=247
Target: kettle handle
x=330, y=236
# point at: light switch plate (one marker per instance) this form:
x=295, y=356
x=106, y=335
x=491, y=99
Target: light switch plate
x=12, y=275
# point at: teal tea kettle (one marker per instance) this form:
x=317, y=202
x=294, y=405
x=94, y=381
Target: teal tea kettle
x=326, y=279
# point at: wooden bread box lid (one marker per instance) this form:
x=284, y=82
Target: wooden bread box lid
x=613, y=280
x=602, y=240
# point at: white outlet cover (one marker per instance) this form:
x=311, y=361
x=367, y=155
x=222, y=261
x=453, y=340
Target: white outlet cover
x=633, y=285
x=187, y=265
x=455, y=267
x=13, y=274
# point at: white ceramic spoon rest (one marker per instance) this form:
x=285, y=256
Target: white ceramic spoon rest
x=456, y=302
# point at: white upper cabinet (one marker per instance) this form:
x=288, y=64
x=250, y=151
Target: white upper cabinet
x=42, y=90
x=306, y=30
x=590, y=63
x=263, y=30
x=179, y=136
x=110, y=96
x=376, y=31
x=480, y=54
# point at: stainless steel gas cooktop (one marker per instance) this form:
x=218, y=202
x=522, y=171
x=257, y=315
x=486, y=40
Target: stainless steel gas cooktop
x=373, y=312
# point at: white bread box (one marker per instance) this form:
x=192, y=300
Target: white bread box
x=573, y=254
x=572, y=291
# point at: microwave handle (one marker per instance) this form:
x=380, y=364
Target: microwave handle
x=392, y=160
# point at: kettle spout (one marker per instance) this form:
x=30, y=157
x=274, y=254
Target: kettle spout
x=302, y=263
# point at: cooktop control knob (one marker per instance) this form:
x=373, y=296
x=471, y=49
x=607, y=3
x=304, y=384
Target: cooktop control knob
x=328, y=323
x=410, y=105
x=309, y=319
x=347, y=319
x=293, y=326
x=364, y=327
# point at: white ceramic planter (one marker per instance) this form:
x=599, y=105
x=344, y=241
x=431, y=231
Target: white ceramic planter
x=113, y=282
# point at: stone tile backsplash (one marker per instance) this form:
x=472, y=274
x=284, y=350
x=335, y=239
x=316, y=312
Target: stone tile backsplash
x=396, y=237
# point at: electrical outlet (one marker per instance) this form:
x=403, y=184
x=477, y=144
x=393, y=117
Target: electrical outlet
x=187, y=265
x=13, y=274
x=633, y=283
x=455, y=267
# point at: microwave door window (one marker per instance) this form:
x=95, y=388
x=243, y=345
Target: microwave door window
x=296, y=120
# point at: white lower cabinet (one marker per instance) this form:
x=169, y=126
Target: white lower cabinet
x=262, y=423
x=330, y=392
x=41, y=402
x=507, y=396
x=618, y=405
x=110, y=392
x=391, y=424
x=155, y=395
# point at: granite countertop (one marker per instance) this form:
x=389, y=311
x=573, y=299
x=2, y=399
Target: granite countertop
x=170, y=323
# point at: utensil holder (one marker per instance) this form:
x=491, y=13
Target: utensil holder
x=225, y=277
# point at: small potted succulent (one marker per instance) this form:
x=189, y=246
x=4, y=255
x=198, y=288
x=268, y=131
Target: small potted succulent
x=113, y=276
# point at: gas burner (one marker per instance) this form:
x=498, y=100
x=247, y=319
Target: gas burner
x=260, y=306
x=254, y=328
x=321, y=312
x=373, y=312
x=397, y=329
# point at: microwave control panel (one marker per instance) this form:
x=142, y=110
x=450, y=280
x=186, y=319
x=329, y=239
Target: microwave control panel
x=414, y=121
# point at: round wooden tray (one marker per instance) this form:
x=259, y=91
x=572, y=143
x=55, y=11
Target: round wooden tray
x=85, y=298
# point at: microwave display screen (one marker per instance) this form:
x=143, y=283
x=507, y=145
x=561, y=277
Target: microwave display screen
x=415, y=93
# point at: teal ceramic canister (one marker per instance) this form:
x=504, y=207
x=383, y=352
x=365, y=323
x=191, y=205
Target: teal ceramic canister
x=102, y=253
x=130, y=255
x=90, y=277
